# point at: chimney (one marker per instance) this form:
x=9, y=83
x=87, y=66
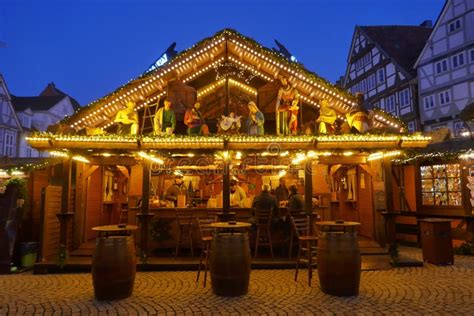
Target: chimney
x=427, y=23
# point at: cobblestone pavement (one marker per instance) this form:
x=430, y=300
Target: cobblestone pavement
x=427, y=290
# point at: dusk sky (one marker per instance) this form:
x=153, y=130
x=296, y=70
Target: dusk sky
x=91, y=47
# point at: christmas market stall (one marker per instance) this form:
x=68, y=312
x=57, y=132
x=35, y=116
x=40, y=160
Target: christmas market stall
x=436, y=182
x=206, y=131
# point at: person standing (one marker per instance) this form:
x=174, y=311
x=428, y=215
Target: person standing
x=164, y=120
x=286, y=104
x=177, y=188
x=237, y=194
x=195, y=121
x=281, y=192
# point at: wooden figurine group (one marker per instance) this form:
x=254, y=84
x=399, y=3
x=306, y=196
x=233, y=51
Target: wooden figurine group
x=286, y=116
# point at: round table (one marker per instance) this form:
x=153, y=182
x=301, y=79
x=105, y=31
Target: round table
x=107, y=230
x=334, y=226
x=230, y=258
x=230, y=225
x=114, y=262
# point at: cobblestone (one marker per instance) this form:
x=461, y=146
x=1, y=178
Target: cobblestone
x=414, y=291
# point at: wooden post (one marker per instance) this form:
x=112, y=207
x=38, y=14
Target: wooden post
x=390, y=232
x=227, y=98
x=64, y=213
x=308, y=192
x=145, y=216
x=226, y=186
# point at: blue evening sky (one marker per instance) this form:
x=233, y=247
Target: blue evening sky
x=90, y=47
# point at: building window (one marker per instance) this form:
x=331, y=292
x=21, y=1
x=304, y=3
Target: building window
x=390, y=104
x=411, y=126
x=441, y=184
x=472, y=55
x=454, y=26
x=442, y=66
x=428, y=102
x=458, y=60
x=9, y=144
x=405, y=98
x=371, y=82
x=380, y=76
x=361, y=62
x=444, y=97
x=458, y=128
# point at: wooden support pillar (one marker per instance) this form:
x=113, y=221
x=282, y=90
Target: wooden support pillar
x=308, y=191
x=226, y=186
x=145, y=216
x=65, y=213
x=389, y=215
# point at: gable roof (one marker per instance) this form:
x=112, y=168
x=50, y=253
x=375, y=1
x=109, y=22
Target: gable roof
x=52, y=90
x=402, y=43
x=43, y=103
x=435, y=27
x=9, y=101
x=224, y=45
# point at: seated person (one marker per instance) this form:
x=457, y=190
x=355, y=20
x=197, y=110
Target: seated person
x=127, y=120
x=265, y=201
x=295, y=201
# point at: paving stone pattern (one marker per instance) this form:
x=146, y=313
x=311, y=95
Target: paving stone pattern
x=413, y=291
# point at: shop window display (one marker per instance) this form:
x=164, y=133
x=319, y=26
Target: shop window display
x=441, y=185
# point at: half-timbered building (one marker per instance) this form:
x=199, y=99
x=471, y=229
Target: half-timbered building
x=446, y=68
x=380, y=64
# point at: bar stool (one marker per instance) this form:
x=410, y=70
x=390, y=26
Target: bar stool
x=263, y=218
x=296, y=214
x=206, y=239
x=185, y=237
x=306, y=245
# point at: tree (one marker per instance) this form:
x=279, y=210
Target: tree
x=467, y=115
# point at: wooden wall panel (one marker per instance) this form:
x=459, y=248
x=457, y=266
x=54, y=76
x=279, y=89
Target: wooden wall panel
x=93, y=204
x=410, y=186
x=38, y=181
x=52, y=206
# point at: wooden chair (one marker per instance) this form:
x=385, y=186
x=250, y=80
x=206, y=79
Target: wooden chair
x=295, y=214
x=185, y=236
x=306, y=245
x=263, y=218
x=206, y=239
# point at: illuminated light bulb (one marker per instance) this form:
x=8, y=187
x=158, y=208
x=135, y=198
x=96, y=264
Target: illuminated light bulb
x=348, y=153
x=81, y=159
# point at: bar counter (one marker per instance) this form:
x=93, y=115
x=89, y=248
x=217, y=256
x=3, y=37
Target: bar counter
x=164, y=229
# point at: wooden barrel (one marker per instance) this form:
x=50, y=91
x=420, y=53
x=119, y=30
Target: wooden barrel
x=339, y=263
x=114, y=266
x=230, y=264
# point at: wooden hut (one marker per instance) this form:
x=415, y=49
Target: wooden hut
x=103, y=173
